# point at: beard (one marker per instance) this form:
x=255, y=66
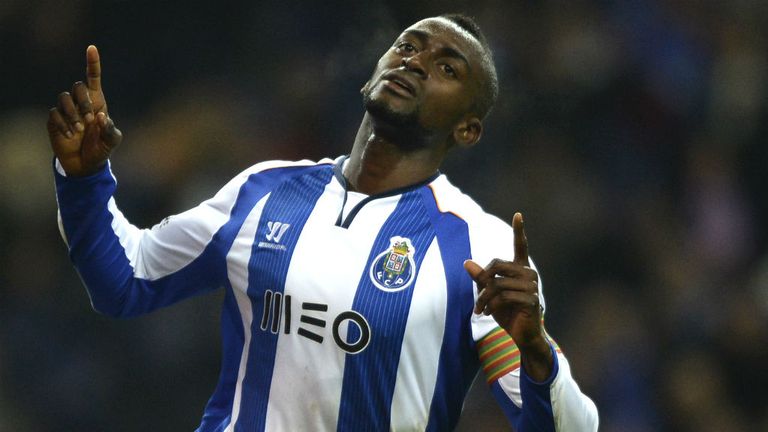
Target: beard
x=401, y=128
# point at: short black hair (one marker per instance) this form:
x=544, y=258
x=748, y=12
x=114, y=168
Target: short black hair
x=489, y=91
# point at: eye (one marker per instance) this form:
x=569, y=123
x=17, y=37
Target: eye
x=449, y=70
x=405, y=47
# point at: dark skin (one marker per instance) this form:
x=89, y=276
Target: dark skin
x=441, y=90
x=430, y=77
x=79, y=128
x=509, y=290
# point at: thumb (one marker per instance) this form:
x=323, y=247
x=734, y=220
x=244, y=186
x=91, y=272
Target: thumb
x=473, y=269
x=109, y=132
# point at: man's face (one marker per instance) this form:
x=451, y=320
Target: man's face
x=428, y=79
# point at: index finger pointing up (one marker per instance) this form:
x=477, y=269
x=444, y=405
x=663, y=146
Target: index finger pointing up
x=521, y=242
x=93, y=68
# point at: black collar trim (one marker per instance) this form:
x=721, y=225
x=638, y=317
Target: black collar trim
x=338, y=173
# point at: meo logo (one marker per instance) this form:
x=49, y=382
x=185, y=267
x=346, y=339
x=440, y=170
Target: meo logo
x=312, y=323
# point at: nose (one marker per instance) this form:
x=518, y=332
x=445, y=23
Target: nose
x=414, y=64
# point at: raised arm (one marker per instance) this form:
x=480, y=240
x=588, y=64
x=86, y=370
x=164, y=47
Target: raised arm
x=513, y=300
x=127, y=270
x=528, y=374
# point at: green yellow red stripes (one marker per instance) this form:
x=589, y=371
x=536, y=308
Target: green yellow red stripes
x=499, y=354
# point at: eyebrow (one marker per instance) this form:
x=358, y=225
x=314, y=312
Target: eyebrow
x=446, y=51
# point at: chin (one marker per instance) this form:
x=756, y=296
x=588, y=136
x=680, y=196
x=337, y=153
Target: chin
x=400, y=128
x=383, y=111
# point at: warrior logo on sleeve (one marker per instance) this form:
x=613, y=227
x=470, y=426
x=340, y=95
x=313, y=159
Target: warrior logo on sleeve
x=394, y=269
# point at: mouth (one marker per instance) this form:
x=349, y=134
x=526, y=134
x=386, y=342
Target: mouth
x=399, y=84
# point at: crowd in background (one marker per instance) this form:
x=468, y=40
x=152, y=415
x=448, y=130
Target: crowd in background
x=629, y=133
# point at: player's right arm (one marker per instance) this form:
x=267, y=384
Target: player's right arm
x=127, y=271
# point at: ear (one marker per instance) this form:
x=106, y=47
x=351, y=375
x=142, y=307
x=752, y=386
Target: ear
x=467, y=133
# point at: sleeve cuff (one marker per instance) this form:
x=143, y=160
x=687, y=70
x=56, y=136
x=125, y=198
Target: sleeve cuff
x=77, y=195
x=548, y=381
x=60, y=174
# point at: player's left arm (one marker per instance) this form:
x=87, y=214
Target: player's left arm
x=538, y=393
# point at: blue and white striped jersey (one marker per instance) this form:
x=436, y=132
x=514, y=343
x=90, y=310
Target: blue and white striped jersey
x=332, y=320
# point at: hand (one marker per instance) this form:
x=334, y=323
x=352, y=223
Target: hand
x=510, y=292
x=81, y=133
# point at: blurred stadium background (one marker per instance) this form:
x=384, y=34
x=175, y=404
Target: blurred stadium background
x=630, y=133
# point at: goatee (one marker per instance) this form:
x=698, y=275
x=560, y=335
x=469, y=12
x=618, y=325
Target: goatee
x=401, y=128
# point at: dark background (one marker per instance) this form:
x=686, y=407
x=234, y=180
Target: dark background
x=630, y=133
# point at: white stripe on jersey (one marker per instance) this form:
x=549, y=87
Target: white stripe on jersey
x=128, y=235
x=238, y=279
x=417, y=368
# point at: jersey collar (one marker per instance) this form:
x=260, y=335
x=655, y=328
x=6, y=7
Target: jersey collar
x=338, y=172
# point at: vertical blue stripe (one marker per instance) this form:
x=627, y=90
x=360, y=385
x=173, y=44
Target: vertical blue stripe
x=290, y=203
x=369, y=376
x=458, y=362
x=537, y=413
x=219, y=407
x=510, y=409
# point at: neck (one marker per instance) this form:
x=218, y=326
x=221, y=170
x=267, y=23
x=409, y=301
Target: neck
x=378, y=164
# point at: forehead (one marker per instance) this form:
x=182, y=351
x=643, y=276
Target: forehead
x=446, y=31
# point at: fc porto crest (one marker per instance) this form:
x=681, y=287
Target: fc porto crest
x=394, y=269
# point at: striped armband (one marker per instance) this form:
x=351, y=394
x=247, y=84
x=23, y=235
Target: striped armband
x=499, y=354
